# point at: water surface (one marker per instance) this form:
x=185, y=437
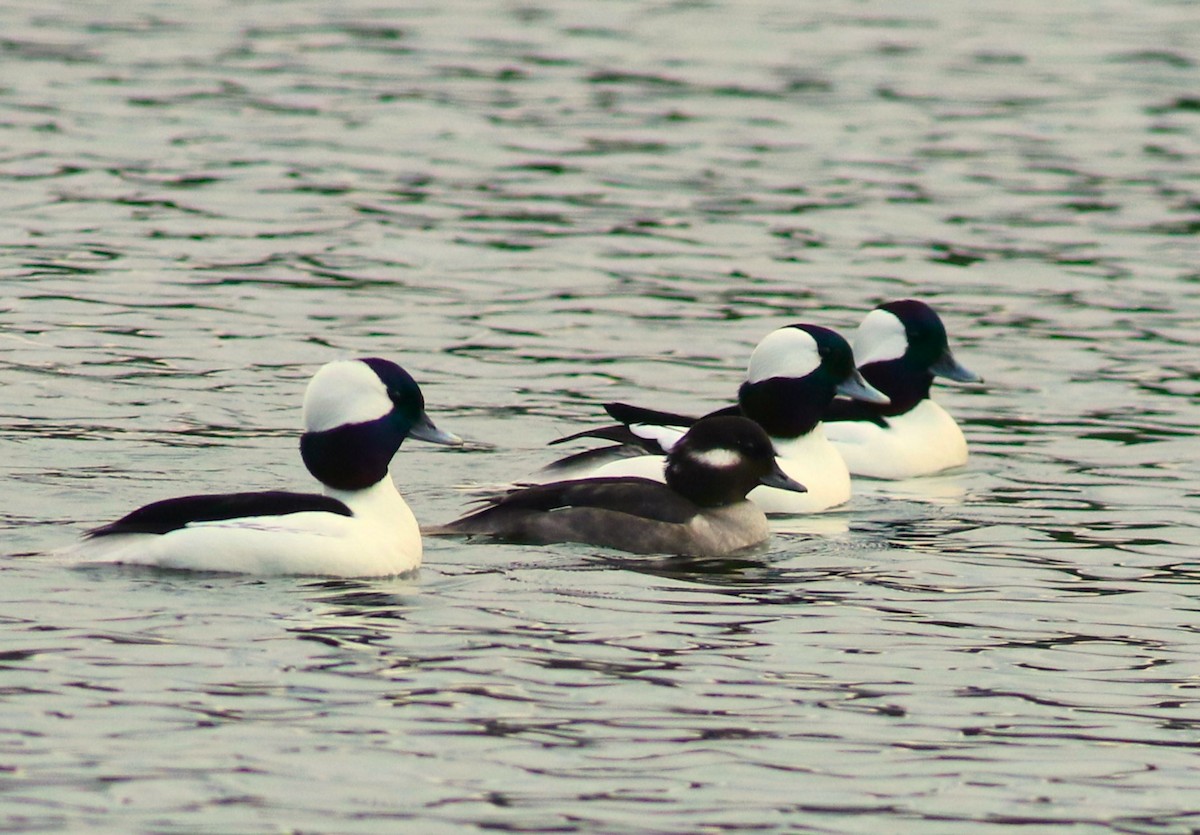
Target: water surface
x=536, y=209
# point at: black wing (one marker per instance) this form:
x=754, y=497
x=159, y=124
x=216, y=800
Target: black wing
x=618, y=433
x=173, y=514
x=635, y=496
x=592, y=458
x=627, y=443
x=735, y=410
x=622, y=435
x=636, y=414
x=628, y=414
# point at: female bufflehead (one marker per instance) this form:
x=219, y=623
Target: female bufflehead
x=900, y=346
x=701, y=510
x=356, y=415
x=792, y=378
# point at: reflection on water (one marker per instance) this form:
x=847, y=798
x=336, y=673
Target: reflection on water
x=540, y=209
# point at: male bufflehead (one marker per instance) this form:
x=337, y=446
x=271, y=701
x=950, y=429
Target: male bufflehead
x=792, y=378
x=700, y=511
x=900, y=347
x=357, y=413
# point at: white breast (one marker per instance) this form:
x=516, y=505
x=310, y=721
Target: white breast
x=922, y=441
x=814, y=462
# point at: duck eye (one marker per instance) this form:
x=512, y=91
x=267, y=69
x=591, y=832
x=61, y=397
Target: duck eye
x=404, y=401
x=922, y=332
x=398, y=398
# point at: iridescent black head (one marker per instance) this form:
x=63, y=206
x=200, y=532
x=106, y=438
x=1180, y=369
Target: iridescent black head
x=723, y=458
x=357, y=413
x=794, y=373
x=900, y=346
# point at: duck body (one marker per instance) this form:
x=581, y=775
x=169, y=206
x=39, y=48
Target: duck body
x=697, y=508
x=793, y=376
x=901, y=347
x=357, y=413
x=809, y=459
x=373, y=533
x=631, y=514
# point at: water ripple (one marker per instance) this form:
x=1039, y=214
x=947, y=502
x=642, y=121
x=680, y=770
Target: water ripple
x=538, y=210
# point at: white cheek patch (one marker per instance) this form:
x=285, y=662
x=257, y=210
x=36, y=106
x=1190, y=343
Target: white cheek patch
x=880, y=337
x=718, y=459
x=346, y=391
x=787, y=352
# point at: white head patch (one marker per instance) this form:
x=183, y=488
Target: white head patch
x=346, y=391
x=879, y=337
x=787, y=352
x=718, y=459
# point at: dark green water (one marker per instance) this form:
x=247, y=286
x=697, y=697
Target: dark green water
x=537, y=208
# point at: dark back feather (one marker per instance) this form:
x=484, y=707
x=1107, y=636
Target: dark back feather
x=172, y=514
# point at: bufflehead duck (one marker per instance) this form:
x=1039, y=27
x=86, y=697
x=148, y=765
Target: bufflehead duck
x=700, y=511
x=357, y=413
x=792, y=378
x=900, y=346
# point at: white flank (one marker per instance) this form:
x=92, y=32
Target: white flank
x=664, y=436
x=922, y=441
